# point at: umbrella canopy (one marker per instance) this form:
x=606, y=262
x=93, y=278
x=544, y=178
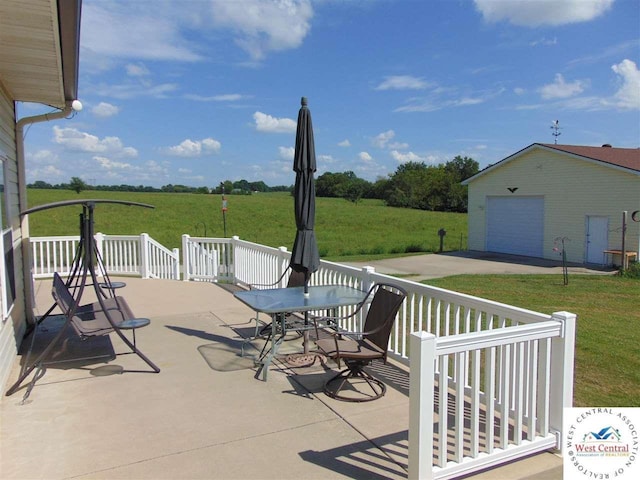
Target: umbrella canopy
x=304, y=256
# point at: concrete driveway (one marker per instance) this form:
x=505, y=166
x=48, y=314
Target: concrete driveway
x=423, y=267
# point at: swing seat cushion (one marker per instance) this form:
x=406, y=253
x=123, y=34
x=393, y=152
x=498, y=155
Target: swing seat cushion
x=91, y=319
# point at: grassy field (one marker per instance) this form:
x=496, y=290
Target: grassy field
x=343, y=229
x=607, y=364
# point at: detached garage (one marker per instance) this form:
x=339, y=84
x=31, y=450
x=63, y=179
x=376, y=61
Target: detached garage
x=527, y=203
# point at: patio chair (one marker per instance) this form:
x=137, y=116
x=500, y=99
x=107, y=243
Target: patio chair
x=359, y=349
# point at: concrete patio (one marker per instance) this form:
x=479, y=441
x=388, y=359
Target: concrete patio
x=204, y=415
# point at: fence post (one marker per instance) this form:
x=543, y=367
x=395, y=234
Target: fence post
x=282, y=264
x=186, y=275
x=421, y=390
x=175, y=270
x=144, y=255
x=234, y=240
x=99, y=239
x=561, y=381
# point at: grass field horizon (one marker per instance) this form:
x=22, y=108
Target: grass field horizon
x=343, y=229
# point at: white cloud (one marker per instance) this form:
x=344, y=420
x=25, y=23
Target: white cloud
x=535, y=13
x=407, y=157
x=74, y=139
x=42, y=157
x=48, y=173
x=383, y=138
x=137, y=70
x=287, y=153
x=398, y=146
x=269, y=124
x=344, y=143
x=403, y=82
x=547, y=42
x=561, y=89
x=628, y=95
x=264, y=25
x=519, y=91
x=364, y=156
x=229, y=97
x=131, y=90
x=133, y=30
x=108, y=164
x=194, y=148
x=105, y=110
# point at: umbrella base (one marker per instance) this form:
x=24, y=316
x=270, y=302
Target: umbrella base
x=304, y=359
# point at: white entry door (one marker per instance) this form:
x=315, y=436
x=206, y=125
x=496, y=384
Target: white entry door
x=597, y=239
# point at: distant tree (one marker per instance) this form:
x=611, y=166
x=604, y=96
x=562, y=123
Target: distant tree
x=77, y=184
x=40, y=184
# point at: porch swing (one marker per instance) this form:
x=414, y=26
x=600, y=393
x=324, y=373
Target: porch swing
x=110, y=313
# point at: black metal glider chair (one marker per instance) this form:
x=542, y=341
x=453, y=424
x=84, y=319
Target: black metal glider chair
x=359, y=349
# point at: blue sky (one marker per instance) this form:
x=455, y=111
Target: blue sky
x=197, y=92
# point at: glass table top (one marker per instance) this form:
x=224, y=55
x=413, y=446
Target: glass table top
x=278, y=300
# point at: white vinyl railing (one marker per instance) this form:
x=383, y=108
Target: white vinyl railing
x=494, y=376
x=121, y=255
x=200, y=259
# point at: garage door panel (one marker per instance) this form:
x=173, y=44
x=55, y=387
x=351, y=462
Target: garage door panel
x=515, y=225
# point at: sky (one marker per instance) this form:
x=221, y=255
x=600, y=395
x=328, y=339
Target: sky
x=196, y=92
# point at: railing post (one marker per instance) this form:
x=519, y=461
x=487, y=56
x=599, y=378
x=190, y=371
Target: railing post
x=367, y=283
x=99, y=239
x=186, y=275
x=561, y=381
x=282, y=264
x=175, y=270
x=234, y=240
x=421, y=390
x=144, y=255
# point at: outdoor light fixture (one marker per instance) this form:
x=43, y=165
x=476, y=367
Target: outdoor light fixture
x=76, y=105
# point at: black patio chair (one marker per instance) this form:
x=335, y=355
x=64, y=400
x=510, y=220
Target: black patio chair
x=359, y=349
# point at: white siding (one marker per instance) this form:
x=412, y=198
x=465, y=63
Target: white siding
x=572, y=188
x=12, y=328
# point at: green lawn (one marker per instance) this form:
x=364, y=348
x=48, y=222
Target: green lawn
x=607, y=364
x=342, y=228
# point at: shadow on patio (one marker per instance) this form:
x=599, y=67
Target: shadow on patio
x=204, y=415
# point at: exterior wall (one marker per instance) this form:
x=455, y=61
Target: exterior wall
x=572, y=188
x=13, y=326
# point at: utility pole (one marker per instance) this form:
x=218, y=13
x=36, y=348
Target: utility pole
x=555, y=126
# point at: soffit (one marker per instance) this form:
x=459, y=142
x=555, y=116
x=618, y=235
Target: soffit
x=30, y=52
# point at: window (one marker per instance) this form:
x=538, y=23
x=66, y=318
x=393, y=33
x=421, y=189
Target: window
x=7, y=276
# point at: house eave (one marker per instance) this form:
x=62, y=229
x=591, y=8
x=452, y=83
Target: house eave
x=39, y=50
x=539, y=146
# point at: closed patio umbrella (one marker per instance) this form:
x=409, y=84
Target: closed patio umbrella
x=304, y=255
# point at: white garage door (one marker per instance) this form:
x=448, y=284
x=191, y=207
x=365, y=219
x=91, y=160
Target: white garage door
x=515, y=225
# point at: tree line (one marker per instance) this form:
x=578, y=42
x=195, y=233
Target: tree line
x=413, y=185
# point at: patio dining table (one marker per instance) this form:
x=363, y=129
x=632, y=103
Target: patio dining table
x=277, y=302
